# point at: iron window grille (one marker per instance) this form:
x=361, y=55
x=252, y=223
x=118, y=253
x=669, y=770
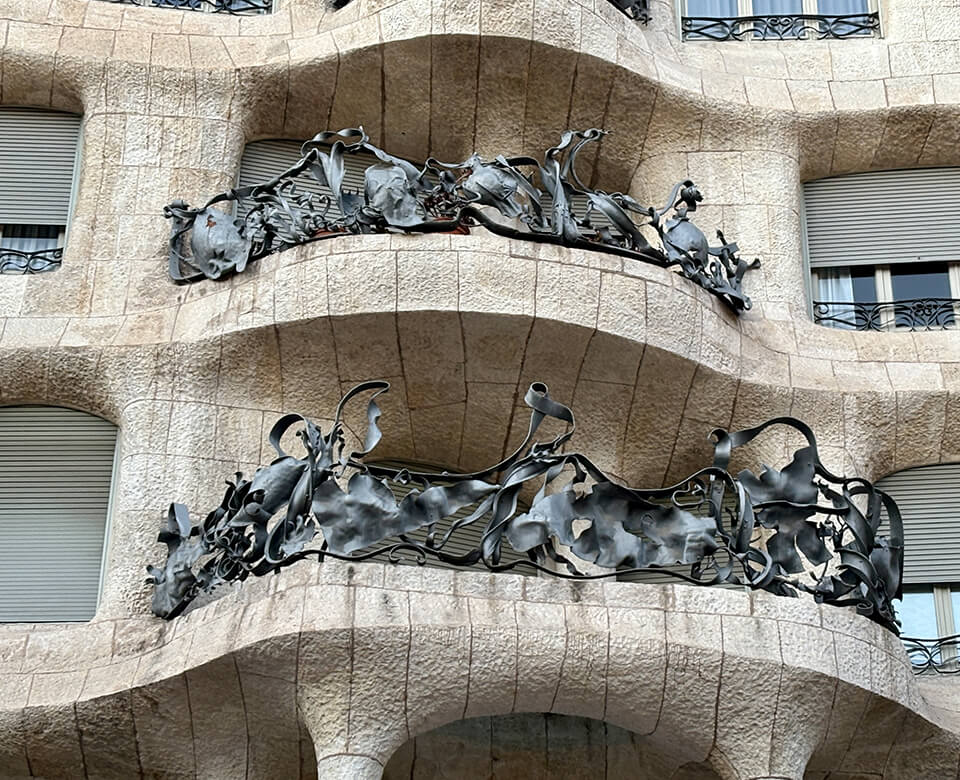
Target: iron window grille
x=723, y=20
x=876, y=305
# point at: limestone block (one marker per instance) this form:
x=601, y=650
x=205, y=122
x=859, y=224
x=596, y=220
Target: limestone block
x=540, y=650
x=493, y=657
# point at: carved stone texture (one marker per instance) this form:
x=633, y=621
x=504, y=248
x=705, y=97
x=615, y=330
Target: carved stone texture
x=797, y=529
x=550, y=204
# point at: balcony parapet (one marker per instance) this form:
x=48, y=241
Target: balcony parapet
x=449, y=198
x=915, y=314
x=780, y=27
x=764, y=532
x=232, y=7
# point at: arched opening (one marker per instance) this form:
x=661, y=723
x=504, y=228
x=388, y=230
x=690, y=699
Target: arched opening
x=535, y=746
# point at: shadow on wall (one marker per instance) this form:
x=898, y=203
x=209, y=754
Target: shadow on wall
x=532, y=746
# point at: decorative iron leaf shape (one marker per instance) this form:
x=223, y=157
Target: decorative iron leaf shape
x=338, y=506
x=519, y=197
x=618, y=529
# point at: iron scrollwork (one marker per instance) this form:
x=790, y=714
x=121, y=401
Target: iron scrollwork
x=939, y=655
x=638, y=10
x=549, y=205
x=13, y=261
x=780, y=27
x=799, y=529
x=233, y=7
x=913, y=314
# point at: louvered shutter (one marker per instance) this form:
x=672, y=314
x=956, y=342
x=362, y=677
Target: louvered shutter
x=884, y=217
x=265, y=160
x=55, y=471
x=929, y=501
x=38, y=151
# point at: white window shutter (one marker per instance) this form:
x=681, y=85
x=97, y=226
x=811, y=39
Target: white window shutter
x=56, y=467
x=38, y=152
x=884, y=217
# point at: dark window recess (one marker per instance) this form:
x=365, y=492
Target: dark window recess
x=920, y=283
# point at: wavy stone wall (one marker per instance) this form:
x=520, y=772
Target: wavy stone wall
x=460, y=325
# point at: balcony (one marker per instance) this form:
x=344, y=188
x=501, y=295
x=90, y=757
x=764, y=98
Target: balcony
x=638, y=10
x=233, y=7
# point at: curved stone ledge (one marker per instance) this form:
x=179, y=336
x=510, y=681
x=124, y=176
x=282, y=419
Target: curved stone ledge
x=371, y=655
x=917, y=62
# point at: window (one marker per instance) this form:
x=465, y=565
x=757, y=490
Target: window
x=881, y=249
x=38, y=151
x=56, y=471
x=929, y=501
x=777, y=19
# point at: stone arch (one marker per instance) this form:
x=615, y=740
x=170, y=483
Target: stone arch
x=535, y=746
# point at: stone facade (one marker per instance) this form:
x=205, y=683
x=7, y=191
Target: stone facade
x=341, y=670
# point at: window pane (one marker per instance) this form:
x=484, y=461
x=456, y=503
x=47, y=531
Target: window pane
x=30, y=238
x=842, y=7
x=917, y=615
x=925, y=280
x=712, y=8
x=777, y=7
x=844, y=285
x=955, y=606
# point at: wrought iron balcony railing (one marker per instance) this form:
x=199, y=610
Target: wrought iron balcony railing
x=234, y=7
x=780, y=27
x=937, y=655
x=822, y=532
x=516, y=197
x=638, y=10
x=13, y=261
x=915, y=314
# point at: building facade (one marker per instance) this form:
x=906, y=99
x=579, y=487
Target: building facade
x=827, y=146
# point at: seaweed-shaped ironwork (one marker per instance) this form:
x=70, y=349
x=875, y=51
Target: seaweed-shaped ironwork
x=232, y=7
x=638, y=10
x=550, y=204
x=14, y=261
x=780, y=27
x=797, y=529
x=909, y=314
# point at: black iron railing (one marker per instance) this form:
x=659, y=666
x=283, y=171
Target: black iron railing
x=779, y=27
x=13, y=261
x=638, y=10
x=234, y=7
x=937, y=655
x=915, y=314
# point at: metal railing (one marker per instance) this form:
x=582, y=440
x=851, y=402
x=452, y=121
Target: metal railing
x=233, y=7
x=13, y=261
x=910, y=315
x=937, y=655
x=780, y=27
x=638, y=10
